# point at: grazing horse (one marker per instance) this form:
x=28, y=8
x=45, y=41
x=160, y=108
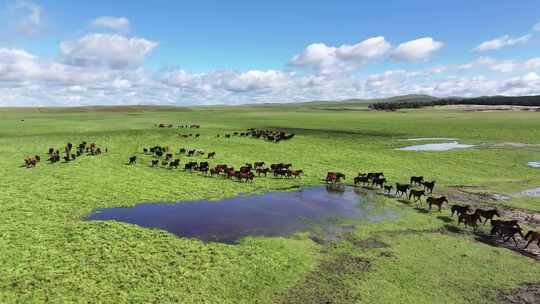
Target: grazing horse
x=211, y=155
x=262, y=171
x=190, y=166
x=416, y=194
x=378, y=182
x=402, y=189
x=416, y=180
x=436, y=201
x=388, y=189
x=469, y=220
x=154, y=163
x=458, y=209
x=534, y=236
x=429, y=186
x=334, y=177
x=487, y=214
x=132, y=160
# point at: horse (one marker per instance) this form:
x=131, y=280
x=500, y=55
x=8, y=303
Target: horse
x=487, y=214
x=402, y=189
x=510, y=233
x=378, y=182
x=190, y=153
x=258, y=164
x=211, y=155
x=416, y=180
x=496, y=225
x=416, y=194
x=174, y=164
x=436, y=201
x=429, y=186
x=295, y=173
x=388, y=189
x=132, y=160
x=154, y=163
x=262, y=171
x=534, y=236
x=361, y=179
x=334, y=177
x=375, y=175
x=469, y=220
x=458, y=209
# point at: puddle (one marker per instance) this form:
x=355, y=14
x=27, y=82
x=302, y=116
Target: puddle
x=325, y=210
x=534, y=164
x=436, y=147
x=431, y=139
x=531, y=192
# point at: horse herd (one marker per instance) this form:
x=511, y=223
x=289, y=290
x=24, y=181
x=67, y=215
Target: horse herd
x=245, y=173
x=269, y=135
x=501, y=229
x=67, y=154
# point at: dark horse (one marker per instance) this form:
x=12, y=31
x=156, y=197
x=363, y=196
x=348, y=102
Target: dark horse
x=416, y=194
x=534, y=236
x=428, y=186
x=487, y=214
x=510, y=233
x=402, y=189
x=416, y=180
x=458, y=209
x=436, y=201
x=334, y=177
x=469, y=220
x=132, y=160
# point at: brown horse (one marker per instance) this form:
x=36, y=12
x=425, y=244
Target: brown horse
x=510, y=233
x=496, y=226
x=436, y=201
x=295, y=173
x=469, y=220
x=534, y=236
x=334, y=177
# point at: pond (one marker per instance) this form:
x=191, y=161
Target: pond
x=534, y=164
x=437, y=147
x=326, y=210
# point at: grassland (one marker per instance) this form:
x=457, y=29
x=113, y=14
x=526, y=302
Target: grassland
x=50, y=254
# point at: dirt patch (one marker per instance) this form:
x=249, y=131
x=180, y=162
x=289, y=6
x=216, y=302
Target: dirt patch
x=328, y=283
x=528, y=293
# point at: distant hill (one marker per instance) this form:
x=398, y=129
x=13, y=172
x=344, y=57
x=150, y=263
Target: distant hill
x=484, y=100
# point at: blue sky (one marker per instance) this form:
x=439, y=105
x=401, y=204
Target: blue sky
x=206, y=52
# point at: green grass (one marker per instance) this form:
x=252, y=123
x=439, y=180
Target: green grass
x=50, y=254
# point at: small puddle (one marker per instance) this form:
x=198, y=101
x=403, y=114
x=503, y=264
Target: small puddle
x=534, y=164
x=436, y=147
x=328, y=210
x=531, y=192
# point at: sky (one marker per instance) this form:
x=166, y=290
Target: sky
x=71, y=53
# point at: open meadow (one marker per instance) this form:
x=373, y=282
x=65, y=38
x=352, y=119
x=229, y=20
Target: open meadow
x=50, y=253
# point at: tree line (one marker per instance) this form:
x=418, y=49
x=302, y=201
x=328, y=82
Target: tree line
x=490, y=100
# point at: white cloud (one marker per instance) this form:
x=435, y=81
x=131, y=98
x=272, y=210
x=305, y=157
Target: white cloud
x=255, y=80
x=536, y=27
x=117, y=24
x=114, y=51
x=501, y=42
x=25, y=17
x=329, y=59
x=417, y=49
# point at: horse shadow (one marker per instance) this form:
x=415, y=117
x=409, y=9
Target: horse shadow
x=421, y=210
x=404, y=201
x=445, y=218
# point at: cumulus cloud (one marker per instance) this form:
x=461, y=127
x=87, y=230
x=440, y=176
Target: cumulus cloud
x=328, y=59
x=417, y=49
x=117, y=24
x=114, y=51
x=501, y=42
x=26, y=17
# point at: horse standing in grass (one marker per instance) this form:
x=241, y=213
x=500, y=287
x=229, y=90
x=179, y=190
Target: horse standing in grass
x=378, y=182
x=429, y=186
x=469, y=220
x=132, y=160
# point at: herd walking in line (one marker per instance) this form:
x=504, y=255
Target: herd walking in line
x=416, y=188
